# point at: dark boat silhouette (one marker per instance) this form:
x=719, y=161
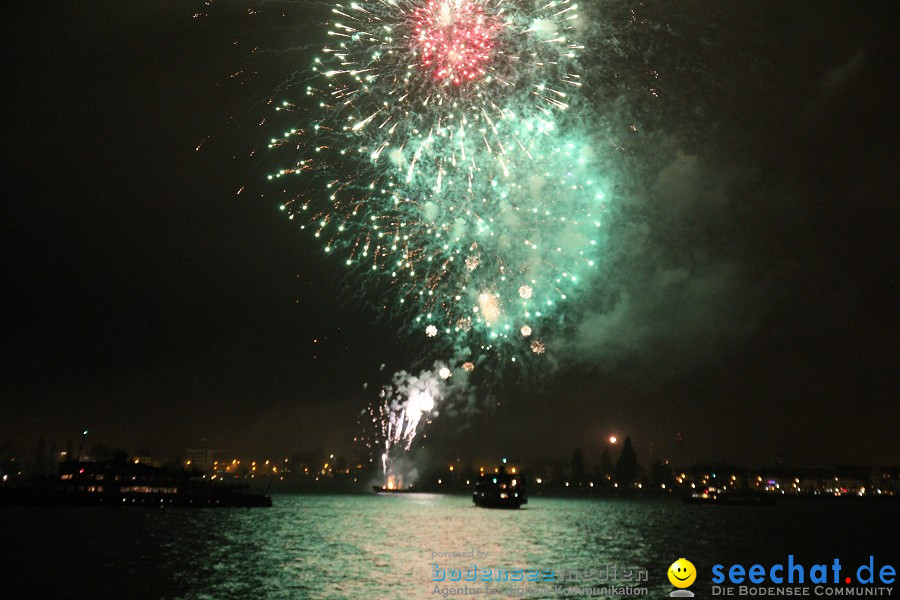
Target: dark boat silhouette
x=731, y=497
x=120, y=482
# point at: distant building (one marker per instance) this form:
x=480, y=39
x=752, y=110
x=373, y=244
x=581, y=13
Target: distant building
x=679, y=458
x=146, y=460
x=204, y=460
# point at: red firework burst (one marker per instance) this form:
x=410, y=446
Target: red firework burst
x=454, y=38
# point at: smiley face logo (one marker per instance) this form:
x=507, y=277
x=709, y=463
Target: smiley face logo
x=682, y=573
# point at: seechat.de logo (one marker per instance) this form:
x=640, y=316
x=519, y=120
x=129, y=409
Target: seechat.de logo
x=682, y=574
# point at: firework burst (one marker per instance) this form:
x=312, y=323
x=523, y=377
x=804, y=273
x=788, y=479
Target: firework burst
x=443, y=163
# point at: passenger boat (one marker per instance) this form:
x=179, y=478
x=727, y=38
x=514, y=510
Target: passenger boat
x=503, y=489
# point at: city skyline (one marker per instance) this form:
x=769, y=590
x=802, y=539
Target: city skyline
x=152, y=304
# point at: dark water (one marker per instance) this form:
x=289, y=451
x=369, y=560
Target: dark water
x=369, y=546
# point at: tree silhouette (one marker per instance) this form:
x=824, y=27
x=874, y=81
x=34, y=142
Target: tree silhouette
x=627, y=465
x=577, y=467
x=40, y=457
x=605, y=469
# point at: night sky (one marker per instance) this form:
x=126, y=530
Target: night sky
x=752, y=304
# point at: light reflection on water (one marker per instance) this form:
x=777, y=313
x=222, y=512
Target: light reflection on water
x=312, y=546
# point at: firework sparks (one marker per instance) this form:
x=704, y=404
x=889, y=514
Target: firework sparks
x=405, y=407
x=400, y=421
x=454, y=38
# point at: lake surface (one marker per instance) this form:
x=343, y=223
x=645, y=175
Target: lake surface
x=317, y=546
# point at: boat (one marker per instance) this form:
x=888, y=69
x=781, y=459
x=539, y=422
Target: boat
x=120, y=482
x=393, y=484
x=731, y=497
x=381, y=489
x=503, y=489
